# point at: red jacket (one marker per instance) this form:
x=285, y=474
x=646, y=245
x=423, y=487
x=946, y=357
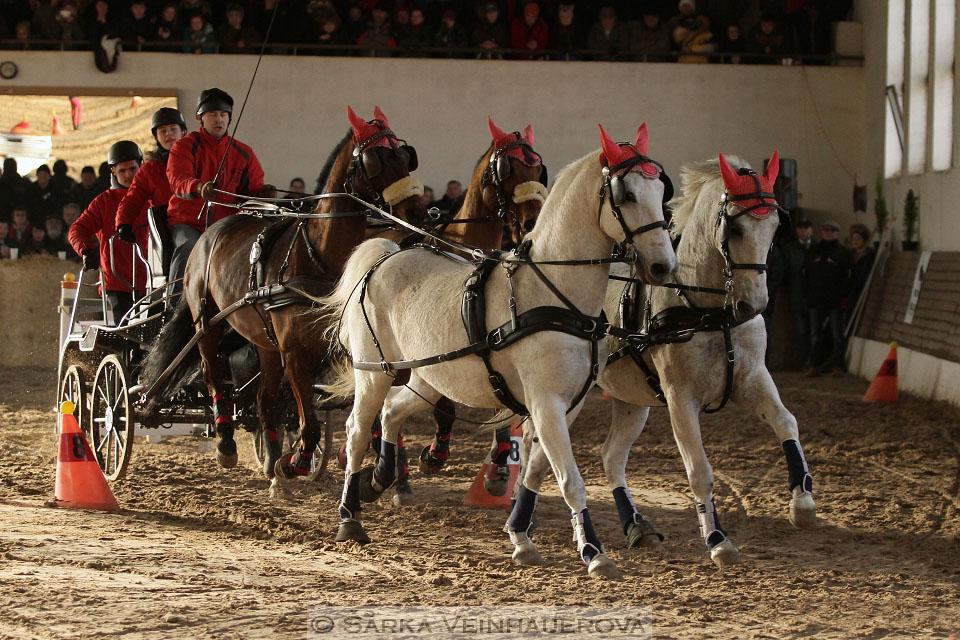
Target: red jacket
x=194, y=158
x=150, y=188
x=99, y=219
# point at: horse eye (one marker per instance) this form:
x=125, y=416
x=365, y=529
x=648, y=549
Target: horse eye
x=629, y=197
x=736, y=230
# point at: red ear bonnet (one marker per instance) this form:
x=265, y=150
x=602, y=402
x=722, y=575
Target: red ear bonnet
x=738, y=185
x=362, y=130
x=500, y=139
x=614, y=154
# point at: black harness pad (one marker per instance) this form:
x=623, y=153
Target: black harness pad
x=473, y=308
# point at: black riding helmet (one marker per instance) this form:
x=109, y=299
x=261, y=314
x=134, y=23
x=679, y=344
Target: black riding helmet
x=124, y=151
x=214, y=100
x=165, y=116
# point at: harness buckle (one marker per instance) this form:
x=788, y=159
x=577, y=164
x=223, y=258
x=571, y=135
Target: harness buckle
x=385, y=366
x=496, y=336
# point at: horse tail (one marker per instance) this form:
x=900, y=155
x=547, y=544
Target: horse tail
x=334, y=307
x=173, y=337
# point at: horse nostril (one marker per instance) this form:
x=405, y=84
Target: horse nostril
x=744, y=308
x=658, y=270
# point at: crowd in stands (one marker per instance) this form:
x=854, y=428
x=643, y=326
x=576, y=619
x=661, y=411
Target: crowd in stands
x=733, y=31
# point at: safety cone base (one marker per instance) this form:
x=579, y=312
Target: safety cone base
x=884, y=387
x=80, y=483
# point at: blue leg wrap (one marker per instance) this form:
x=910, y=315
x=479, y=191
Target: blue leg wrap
x=797, y=466
x=626, y=508
x=588, y=544
x=386, y=472
x=522, y=514
x=350, y=501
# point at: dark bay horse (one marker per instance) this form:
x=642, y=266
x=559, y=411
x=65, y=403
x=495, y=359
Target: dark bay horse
x=370, y=162
x=506, y=190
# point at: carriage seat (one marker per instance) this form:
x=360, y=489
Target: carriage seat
x=161, y=242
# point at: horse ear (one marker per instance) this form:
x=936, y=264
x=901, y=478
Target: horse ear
x=355, y=121
x=643, y=138
x=528, y=134
x=378, y=115
x=773, y=168
x=730, y=178
x=495, y=132
x=611, y=150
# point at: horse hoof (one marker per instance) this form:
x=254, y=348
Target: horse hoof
x=803, y=512
x=342, y=456
x=526, y=553
x=227, y=454
x=284, y=466
x=603, y=567
x=367, y=491
x=278, y=490
x=496, y=479
x=643, y=534
x=725, y=554
x=352, y=530
x=430, y=464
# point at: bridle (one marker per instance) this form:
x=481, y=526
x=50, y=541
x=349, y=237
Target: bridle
x=498, y=170
x=366, y=165
x=614, y=190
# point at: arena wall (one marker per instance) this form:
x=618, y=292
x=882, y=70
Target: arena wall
x=296, y=112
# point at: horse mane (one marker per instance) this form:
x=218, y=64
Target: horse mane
x=327, y=169
x=473, y=201
x=695, y=179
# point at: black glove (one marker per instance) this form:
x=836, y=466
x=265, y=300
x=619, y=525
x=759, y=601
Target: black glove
x=91, y=258
x=125, y=231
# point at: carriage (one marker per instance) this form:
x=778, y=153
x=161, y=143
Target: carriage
x=100, y=357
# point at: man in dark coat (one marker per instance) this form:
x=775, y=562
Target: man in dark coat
x=828, y=282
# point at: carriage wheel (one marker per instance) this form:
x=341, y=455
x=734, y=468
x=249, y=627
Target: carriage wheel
x=71, y=390
x=110, y=429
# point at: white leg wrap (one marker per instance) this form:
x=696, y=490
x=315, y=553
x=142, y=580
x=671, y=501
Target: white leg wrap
x=580, y=535
x=707, y=515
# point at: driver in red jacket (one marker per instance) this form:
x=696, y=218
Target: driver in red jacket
x=194, y=170
x=99, y=219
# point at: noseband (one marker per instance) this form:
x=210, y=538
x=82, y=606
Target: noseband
x=498, y=170
x=607, y=192
x=364, y=154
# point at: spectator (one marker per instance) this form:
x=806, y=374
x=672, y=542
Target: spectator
x=190, y=7
x=863, y=257
x=137, y=26
x=22, y=36
x=71, y=211
x=378, y=39
x=297, y=185
x=416, y=36
x=566, y=36
x=5, y=242
x=530, y=32
x=767, y=38
x=426, y=200
x=42, y=197
x=86, y=190
x=795, y=258
x=452, y=200
x=776, y=276
x=104, y=23
x=36, y=242
x=321, y=12
x=12, y=186
x=290, y=21
x=61, y=181
x=827, y=284
x=734, y=45
x=199, y=32
x=490, y=35
x=44, y=23
x=649, y=38
x=608, y=37
x=56, y=240
x=331, y=33
x=696, y=41
x=234, y=36
x=356, y=25
x=685, y=17
x=99, y=220
x=168, y=26
x=450, y=35
x=21, y=229
x=103, y=176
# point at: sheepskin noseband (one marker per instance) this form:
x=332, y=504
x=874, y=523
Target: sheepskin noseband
x=402, y=189
x=531, y=190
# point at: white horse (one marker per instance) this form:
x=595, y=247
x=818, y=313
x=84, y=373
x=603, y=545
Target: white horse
x=724, y=226
x=411, y=302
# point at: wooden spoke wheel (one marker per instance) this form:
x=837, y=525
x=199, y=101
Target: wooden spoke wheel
x=72, y=390
x=110, y=429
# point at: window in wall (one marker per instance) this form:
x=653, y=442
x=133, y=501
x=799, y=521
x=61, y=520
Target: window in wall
x=919, y=48
x=896, y=40
x=943, y=61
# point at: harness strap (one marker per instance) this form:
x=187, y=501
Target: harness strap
x=728, y=383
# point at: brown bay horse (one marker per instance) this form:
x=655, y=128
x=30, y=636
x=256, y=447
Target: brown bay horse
x=307, y=254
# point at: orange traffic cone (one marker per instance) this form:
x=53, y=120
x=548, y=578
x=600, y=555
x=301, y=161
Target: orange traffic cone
x=137, y=101
x=22, y=127
x=80, y=482
x=477, y=495
x=57, y=127
x=884, y=385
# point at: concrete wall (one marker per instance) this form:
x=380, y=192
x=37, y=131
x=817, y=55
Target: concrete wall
x=296, y=111
x=939, y=191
